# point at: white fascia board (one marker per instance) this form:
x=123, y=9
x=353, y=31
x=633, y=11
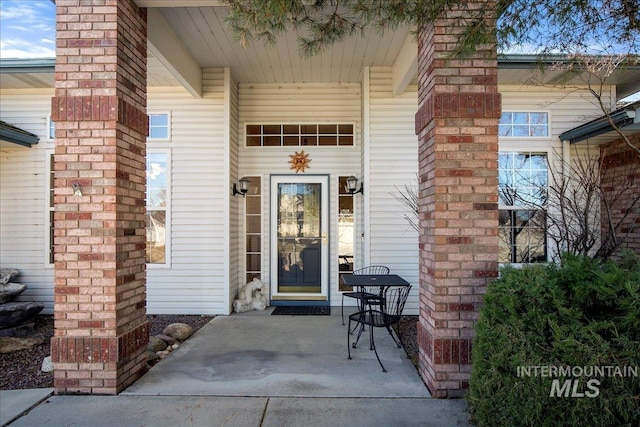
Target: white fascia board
x=172, y=53
x=405, y=66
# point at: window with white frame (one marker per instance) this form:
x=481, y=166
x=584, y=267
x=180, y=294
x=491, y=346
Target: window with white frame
x=528, y=124
x=51, y=128
x=50, y=209
x=157, y=206
x=159, y=126
x=522, y=188
x=283, y=135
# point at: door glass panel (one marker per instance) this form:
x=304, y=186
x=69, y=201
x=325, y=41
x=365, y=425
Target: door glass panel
x=253, y=221
x=345, y=231
x=299, y=237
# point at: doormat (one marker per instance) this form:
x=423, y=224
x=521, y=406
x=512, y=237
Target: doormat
x=301, y=310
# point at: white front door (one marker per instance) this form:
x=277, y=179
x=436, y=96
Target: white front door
x=299, y=238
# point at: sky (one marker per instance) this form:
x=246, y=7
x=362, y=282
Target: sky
x=27, y=29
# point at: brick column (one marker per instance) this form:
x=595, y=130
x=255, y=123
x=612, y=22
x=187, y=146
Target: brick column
x=457, y=126
x=99, y=109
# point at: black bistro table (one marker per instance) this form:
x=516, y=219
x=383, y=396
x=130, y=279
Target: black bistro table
x=369, y=282
x=368, y=287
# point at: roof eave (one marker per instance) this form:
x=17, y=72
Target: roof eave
x=628, y=116
x=17, y=136
x=36, y=65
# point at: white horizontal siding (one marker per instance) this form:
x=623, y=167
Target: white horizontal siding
x=197, y=280
x=567, y=109
x=393, y=151
x=207, y=245
x=24, y=197
x=236, y=248
x=304, y=104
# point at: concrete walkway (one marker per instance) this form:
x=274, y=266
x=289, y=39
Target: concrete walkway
x=254, y=369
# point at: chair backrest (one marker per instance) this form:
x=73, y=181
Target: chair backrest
x=372, y=269
x=394, y=298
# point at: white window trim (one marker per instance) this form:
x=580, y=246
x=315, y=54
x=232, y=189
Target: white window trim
x=529, y=138
x=49, y=137
x=243, y=237
x=168, y=114
x=550, y=153
x=168, y=230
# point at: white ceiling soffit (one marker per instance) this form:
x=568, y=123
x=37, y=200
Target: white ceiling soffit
x=200, y=28
x=167, y=48
x=529, y=69
x=405, y=67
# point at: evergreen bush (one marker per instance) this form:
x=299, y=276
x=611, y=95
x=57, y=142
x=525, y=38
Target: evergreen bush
x=580, y=315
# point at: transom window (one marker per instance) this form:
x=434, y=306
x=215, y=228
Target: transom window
x=522, y=179
x=299, y=135
x=524, y=124
x=159, y=126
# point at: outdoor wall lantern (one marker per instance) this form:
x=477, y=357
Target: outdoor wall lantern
x=244, y=186
x=77, y=189
x=352, y=184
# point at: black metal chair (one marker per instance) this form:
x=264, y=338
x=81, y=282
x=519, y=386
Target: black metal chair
x=381, y=311
x=365, y=290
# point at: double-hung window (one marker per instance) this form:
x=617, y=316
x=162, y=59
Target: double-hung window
x=522, y=179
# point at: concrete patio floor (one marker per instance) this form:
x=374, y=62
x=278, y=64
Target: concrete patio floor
x=257, y=370
x=257, y=354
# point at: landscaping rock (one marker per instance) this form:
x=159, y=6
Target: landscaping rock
x=11, y=344
x=20, y=331
x=179, y=331
x=47, y=364
x=152, y=357
x=7, y=274
x=166, y=338
x=156, y=344
x=10, y=291
x=17, y=313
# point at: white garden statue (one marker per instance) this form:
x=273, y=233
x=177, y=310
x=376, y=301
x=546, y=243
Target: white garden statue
x=251, y=297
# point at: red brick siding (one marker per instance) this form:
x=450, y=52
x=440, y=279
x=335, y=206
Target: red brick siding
x=621, y=170
x=101, y=126
x=457, y=127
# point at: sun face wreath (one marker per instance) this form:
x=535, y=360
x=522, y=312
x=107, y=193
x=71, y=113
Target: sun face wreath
x=299, y=161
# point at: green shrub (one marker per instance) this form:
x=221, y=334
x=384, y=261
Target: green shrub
x=582, y=314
